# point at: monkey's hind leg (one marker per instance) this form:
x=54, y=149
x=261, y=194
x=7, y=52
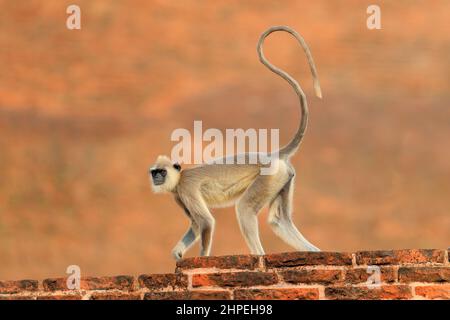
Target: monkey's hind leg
x=280, y=219
x=258, y=195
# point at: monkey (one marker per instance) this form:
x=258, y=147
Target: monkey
x=221, y=184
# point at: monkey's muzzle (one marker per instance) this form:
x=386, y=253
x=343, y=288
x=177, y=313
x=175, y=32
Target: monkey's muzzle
x=158, y=176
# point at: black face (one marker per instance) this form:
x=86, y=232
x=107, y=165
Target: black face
x=158, y=176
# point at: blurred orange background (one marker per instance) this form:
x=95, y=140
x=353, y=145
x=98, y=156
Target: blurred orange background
x=83, y=114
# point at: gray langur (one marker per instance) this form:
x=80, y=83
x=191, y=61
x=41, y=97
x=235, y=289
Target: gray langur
x=213, y=185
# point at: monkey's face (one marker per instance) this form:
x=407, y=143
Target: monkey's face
x=158, y=176
x=164, y=175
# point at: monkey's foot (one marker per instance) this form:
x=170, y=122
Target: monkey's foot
x=177, y=253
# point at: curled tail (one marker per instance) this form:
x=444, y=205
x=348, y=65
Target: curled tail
x=293, y=145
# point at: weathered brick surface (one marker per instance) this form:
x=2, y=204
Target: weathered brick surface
x=210, y=295
x=55, y=284
x=361, y=275
x=14, y=297
x=407, y=256
x=295, y=259
x=247, y=262
x=405, y=274
x=18, y=286
x=234, y=279
x=391, y=292
x=434, y=291
x=424, y=274
x=167, y=295
x=277, y=294
x=115, y=296
x=60, y=297
x=161, y=281
x=92, y=283
x=323, y=276
x=189, y=295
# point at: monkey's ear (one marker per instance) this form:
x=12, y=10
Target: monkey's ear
x=177, y=166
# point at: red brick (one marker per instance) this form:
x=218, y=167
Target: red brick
x=434, y=291
x=14, y=297
x=108, y=283
x=277, y=294
x=424, y=274
x=390, y=292
x=60, y=297
x=323, y=276
x=189, y=295
x=210, y=295
x=406, y=256
x=167, y=295
x=247, y=262
x=161, y=281
x=360, y=275
x=115, y=296
x=234, y=279
x=55, y=284
x=18, y=286
x=92, y=283
x=294, y=259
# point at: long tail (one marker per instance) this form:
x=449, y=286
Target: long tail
x=293, y=145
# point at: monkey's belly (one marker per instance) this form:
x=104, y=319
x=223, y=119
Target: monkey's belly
x=219, y=195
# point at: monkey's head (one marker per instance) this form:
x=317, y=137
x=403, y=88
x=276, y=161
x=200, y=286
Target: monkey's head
x=164, y=175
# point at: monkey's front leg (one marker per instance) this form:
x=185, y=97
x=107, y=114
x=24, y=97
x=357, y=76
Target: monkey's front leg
x=207, y=229
x=201, y=217
x=189, y=238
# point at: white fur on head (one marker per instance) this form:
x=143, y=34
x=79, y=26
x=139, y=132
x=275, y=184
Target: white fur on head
x=172, y=177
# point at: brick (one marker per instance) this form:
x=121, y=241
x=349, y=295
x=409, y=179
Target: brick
x=189, y=295
x=247, y=262
x=361, y=275
x=424, y=274
x=55, y=284
x=277, y=294
x=312, y=276
x=92, y=283
x=406, y=256
x=434, y=291
x=18, y=286
x=161, y=281
x=115, y=296
x=60, y=297
x=391, y=292
x=294, y=259
x=167, y=295
x=14, y=297
x=210, y=295
x=108, y=283
x=234, y=279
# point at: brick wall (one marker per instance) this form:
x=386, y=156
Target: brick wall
x=403, y=274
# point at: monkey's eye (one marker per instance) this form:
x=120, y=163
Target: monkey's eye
x=163, y=172
x=177, y=166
